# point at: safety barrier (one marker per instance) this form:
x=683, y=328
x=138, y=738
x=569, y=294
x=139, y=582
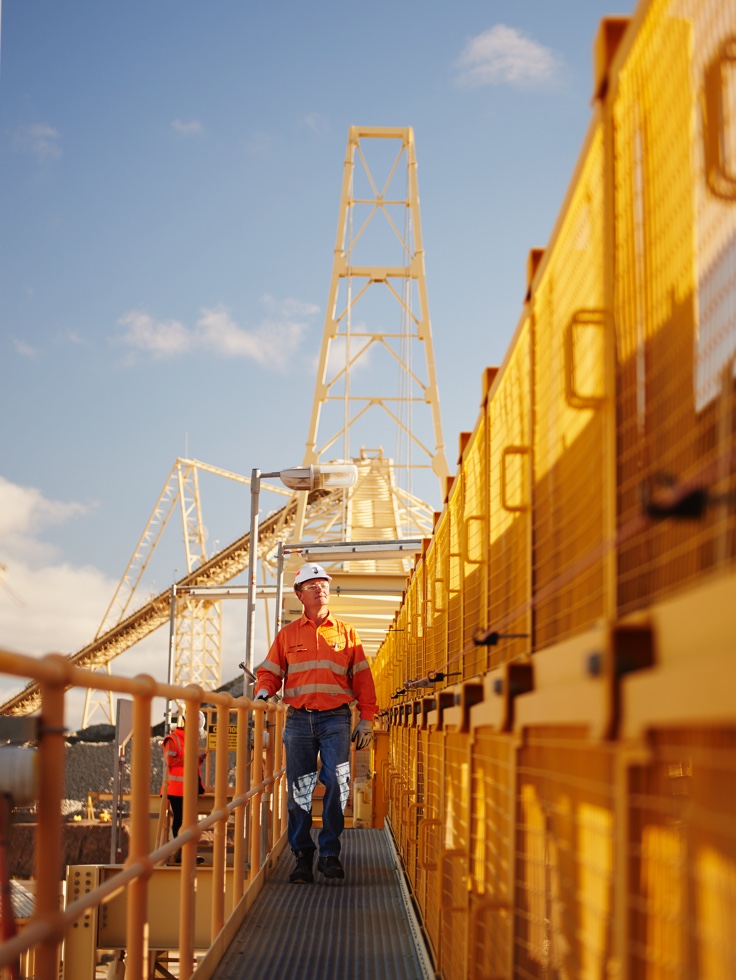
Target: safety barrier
x=557, y=685
x=122, y=907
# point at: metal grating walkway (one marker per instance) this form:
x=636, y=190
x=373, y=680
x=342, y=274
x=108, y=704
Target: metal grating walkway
x=362, y=928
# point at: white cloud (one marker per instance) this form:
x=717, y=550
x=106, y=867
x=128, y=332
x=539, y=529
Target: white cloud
x=48, y=605
x=272, y=343
x=24, y=512
x=191, y=128
x=505, y=56
x=40, y=139
x=159, y=337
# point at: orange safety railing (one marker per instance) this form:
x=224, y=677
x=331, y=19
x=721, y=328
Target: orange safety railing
x=46, y=930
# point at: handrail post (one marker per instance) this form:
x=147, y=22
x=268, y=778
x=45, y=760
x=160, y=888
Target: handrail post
x=220, y=802
x=189, y=850
x=48, y=836
x=140, y=776
x=255, y=801
x=241, y=788
x=278, y=746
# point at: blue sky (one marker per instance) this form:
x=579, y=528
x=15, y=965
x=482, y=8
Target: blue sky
x=167, y=165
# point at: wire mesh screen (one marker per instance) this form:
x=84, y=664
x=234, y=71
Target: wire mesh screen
x=454, y=857
x=569, y=395
x=475, y=515
x=456, y=578
x=437, y=641
x=431, y=838
x=682, y=892
x=564, y=855
x=431, y=615
x=675, y=298
x=509, y=422
x=491, y=848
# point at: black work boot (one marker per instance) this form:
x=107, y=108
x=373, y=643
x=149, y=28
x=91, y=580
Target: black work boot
x=330, y=866
x=302, y=873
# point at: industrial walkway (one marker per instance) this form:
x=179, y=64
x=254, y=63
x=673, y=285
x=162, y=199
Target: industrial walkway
x=361, y=928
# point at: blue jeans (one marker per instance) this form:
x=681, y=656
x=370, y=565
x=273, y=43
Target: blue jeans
x=308, y=734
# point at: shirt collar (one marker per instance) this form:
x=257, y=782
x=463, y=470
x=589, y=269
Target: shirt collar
x=328, y=620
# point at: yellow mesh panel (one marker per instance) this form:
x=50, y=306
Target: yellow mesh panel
x=410, y=635
x=675, y=283
x=476, y=549
x=422, y=809
x=571, y=327
x=564, y=855
x=432, y=634
x=491, y=850
x=433, y=836
x=510, y=427
x=455, y=853
x=456, y=578
x=440, y=601
x=683, y=857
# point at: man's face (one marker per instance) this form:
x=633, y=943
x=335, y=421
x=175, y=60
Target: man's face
x=314, y=594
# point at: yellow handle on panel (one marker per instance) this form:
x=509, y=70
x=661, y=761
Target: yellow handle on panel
x=425, y=825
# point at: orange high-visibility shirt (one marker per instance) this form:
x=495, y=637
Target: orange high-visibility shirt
x=320, y=666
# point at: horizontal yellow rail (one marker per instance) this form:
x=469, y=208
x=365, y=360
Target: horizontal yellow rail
x=45, y=932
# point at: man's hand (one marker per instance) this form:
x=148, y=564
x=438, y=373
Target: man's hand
x=362, y=734
x=261, y=695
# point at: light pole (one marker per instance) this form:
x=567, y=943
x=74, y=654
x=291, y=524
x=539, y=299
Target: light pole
x=316, y=477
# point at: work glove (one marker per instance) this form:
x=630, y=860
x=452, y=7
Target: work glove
x=261, y=695
x=362, y=734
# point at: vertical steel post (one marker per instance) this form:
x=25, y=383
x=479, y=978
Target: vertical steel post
x=256, y=778
x=241, y=788
x=137, y=906
x=189, y=850
x=255, y=491
x=49, y=852
x=279, y=586
x=172, y=645
x=218, y=851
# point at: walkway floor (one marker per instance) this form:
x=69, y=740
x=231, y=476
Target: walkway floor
x=356, y=929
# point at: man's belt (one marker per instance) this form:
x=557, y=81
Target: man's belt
x=322, y=711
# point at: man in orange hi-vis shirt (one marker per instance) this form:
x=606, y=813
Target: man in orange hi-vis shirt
x=322, y=666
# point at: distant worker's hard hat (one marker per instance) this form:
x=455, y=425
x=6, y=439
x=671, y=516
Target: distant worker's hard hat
x=308, y=572
x=202, y=722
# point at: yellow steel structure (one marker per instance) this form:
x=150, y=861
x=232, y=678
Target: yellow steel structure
x=562, y=762
x=556, y=759
x=377, y=309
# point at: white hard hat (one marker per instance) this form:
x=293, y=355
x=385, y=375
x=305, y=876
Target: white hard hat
x=202, y=722
x=308, y=572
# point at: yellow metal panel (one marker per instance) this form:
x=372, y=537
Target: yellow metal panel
x=455, y=855
x=455, y=577
x=682, y=850
x=509, y=423
x=675, y=282
x=163, y=910
x=492, y=849
x=438, y=645
x=430, y=836
x=570, y=331
x=564, y=854
x=475, y=523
